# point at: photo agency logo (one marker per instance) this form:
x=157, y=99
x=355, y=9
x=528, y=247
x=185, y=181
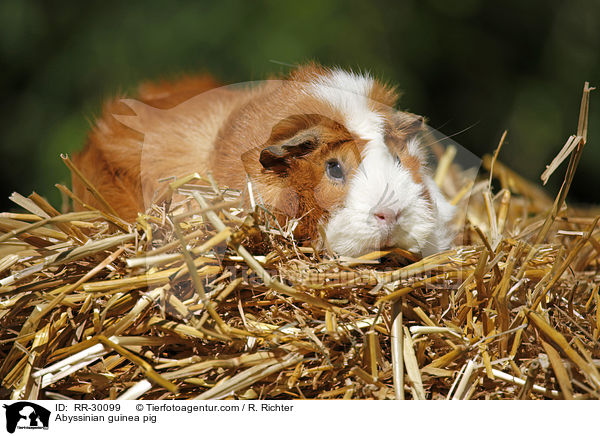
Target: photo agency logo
x=24, y=415
x=329, y=166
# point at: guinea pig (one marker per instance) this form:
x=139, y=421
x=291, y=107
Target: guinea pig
x=325, y=146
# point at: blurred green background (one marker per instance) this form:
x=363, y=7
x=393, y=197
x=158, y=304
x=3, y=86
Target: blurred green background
x=473, y=64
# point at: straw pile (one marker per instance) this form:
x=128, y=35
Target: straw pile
x=201, y=300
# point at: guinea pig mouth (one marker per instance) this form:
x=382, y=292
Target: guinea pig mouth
x=398, y=237
x=387, y=240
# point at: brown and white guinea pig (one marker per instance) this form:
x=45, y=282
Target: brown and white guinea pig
x=324, y=145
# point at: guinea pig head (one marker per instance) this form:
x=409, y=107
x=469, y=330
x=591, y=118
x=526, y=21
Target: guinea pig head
x=305, y=168
x=367, y=194
x=359, y=171
x=392, y=200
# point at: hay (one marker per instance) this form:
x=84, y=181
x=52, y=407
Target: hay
x=199, y=299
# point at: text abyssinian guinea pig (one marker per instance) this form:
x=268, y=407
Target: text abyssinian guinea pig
x=324, y=145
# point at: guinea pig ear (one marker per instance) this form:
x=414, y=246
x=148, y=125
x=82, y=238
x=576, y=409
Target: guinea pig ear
x=409, y=124
x=274, y=158
x=278, y=158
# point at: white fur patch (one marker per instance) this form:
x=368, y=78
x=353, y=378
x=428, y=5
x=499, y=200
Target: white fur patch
x=380, y=182
x=349, y=93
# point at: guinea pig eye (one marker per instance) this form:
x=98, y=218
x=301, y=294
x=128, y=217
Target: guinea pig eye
x=334, y=170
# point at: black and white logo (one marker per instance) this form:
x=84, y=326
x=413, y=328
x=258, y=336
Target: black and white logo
x=26, y=415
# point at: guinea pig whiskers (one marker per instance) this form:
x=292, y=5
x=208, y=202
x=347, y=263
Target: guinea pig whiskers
x=453, y=134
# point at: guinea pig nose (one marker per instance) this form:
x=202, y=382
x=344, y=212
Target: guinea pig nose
x=385, y=215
